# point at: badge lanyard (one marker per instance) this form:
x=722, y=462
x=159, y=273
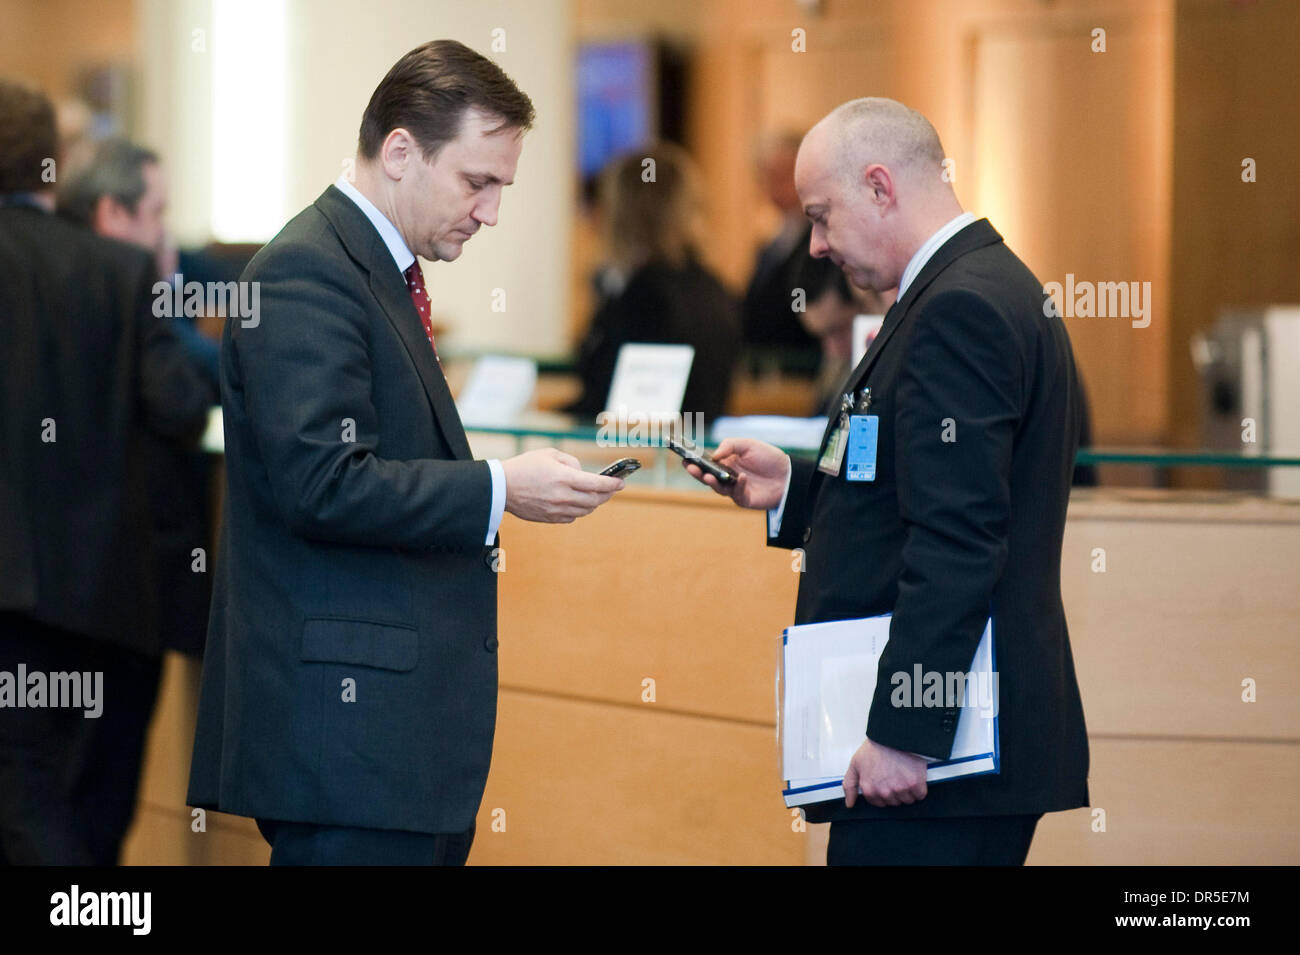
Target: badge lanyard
x=833, y=456
x=864, y=433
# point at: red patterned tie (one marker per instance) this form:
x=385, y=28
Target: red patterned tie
x=420, y=299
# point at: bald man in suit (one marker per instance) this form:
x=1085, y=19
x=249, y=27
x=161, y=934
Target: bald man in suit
x=978, y=414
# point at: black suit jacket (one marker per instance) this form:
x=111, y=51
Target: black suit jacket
x=662, y=304
x=350, y=676
x=80, y=346
x=951, y=529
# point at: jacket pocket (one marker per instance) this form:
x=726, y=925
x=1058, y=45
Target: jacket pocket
x=360, y=642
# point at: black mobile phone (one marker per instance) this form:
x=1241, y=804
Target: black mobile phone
x=701, y=460
x=621, y=467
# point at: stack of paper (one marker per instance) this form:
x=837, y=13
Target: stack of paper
x=827, y=682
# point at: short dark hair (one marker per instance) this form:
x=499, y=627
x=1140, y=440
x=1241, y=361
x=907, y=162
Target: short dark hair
x=116, y=170
x=428, y=91
x=28, y=137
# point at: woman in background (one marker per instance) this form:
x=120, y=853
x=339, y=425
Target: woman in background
x=654, y=289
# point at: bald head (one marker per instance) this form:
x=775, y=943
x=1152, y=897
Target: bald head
x=870, y=177
x=876, y=130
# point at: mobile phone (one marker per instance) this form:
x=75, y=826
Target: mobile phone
x=621, y=467
x=701, y=460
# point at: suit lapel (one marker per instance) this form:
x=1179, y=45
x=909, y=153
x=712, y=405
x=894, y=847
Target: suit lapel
x=860, y=370
x=974, y=236
x=366, y=246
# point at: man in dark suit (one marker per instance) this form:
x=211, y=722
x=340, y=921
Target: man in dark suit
x=122, y=193
x=350, y=681
x=88, y=377
x=979, y=411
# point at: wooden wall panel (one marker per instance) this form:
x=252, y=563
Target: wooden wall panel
x=1180, y=802
x=1194, y=599
x=1234, y=243
x=598, y=784
x=1072, y=167
x=676, y=588
x=1169, y=802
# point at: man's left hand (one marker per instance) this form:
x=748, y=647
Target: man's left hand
x=884, y=776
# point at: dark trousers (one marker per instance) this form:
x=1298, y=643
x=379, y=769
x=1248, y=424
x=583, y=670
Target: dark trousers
x=67, y=783
x=966, y=840
x=300, y=843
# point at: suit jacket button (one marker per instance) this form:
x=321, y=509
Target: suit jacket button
x=490, y=644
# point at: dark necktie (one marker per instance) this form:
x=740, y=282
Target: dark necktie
x=420, y=299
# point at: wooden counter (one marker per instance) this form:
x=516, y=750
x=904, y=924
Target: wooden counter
x=1198, y=594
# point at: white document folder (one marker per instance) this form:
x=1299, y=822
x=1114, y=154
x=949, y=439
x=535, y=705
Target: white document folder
x=827, y=679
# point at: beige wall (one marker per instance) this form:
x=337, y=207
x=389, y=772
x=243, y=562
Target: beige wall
x=337, y=53
x=49, y=42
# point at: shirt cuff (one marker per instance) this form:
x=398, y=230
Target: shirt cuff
x=774, y=515
x=498, y=499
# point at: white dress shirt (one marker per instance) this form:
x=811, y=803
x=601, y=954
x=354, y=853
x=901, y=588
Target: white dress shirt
x=403, y=257
x=931, y=246
x=914, y=265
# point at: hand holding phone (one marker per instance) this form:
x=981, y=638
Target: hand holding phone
x=702, y=461
x=761, y=471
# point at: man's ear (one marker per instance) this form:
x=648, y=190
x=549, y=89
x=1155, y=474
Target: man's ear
x=879, y=183
x=108, y=217
x=397, y=152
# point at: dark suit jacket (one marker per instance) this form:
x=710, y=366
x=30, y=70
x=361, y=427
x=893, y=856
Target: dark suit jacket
x=79, y=344
x=665, y=305
x=352, y=559
x=950, y=529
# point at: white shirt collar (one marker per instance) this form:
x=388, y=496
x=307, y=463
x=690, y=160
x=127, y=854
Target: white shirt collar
x=387, y=231
x=931, y=246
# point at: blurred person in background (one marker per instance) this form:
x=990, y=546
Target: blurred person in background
x=86, y=373
x=122, y=193
x=773, y=331
x=654, y=288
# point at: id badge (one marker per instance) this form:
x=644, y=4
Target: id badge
x=864, y=429
x=831, y=458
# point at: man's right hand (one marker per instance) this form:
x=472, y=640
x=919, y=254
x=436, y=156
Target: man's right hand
x=550, y=486
x=760, y=468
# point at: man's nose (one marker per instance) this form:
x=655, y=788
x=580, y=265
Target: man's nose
x=818, y=246
x=486, y=211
